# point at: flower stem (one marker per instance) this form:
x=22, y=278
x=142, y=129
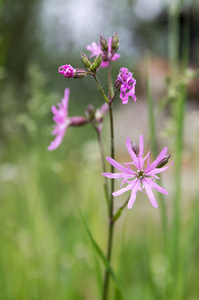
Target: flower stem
x=153, y=138
x=100, y=88
x=111, y=204
x=101, y=148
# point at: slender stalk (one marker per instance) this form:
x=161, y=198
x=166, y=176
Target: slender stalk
x=111, y=205
x=101, y=148
x=111, y=223
x=153, y=138
x=101, y=151
x=120, y=210
x=173, y=36
x=173, y=40
x=179, y=116
x=114, y=96
x=100, y=88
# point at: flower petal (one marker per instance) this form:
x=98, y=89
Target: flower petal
x=115, y=175
x=150, y=193
x=131, y=152
x=158, y=170
x=141, y=141
x=133, y=194
x=127, y=188
x=57, y=141
x=117, y=165
x=156, y=186
x=157, y=160
x=65, y=100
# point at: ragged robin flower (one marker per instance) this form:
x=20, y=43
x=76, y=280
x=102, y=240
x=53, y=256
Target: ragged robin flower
x=141, y=178
x=69, y=72
x=106, y=48
x=63, y=121
x=125, y=83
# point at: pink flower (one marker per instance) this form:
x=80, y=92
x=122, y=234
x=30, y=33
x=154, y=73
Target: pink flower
x=63, y=121
x=67, y=70
x=142, y=178
x=126, y=84
x=106, y=57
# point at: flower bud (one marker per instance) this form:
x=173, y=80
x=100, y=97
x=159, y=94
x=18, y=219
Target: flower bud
x=80, y=73
x=96, y=64
x=118, y=83
x=85, y=60
x=104, y=44
x=114, y=43
x=90, y=112
x=100, y=112
x=67, y=70
x=164, y=161
x=78, y=121
x=135, y=148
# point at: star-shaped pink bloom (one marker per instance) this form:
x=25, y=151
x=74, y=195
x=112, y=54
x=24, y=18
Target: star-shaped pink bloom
x=126, y=84
x=96, y=50
x=61, y=119
x=139, y=179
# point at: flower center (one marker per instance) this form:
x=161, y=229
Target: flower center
x=140, y=174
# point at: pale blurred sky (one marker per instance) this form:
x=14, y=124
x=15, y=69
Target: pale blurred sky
x=86, y=20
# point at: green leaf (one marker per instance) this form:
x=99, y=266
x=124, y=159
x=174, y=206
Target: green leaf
x=98, y=273
x=102, y=256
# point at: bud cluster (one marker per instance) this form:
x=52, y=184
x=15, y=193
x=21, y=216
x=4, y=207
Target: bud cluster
x=91, y=67
x=109, y=47
x=96, y=116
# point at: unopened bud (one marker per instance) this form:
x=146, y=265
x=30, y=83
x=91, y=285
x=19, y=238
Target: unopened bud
x=90, y=112
x=78, y=121
x=135, y=148
x=67, y=70
x=164, y=161
x=100, y=112
x=96, y=64
x=104, y=44
x=118, y=83
x=114, y=43
x=85, y=60
x=80, y=73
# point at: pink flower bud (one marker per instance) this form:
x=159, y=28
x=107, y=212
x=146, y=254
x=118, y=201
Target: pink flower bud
x=67, y=70
x=78, y=121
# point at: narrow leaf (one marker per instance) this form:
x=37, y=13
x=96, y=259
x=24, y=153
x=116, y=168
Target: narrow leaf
x=101, y=254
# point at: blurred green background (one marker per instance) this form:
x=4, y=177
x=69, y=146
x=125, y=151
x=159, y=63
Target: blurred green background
x=45, y=252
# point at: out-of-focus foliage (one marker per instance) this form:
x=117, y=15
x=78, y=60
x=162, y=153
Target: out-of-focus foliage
x=45, y=253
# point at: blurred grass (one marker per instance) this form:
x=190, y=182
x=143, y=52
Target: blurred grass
x=45, y=252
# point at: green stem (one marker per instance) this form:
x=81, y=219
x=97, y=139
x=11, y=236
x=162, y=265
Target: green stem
x=153, y=139
x=119, y=211
x=179, y=116
x=111, y=204
x=101, y=151
x=173, y=37
x=100, y=88
x=114, y=96
x=103, y=165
